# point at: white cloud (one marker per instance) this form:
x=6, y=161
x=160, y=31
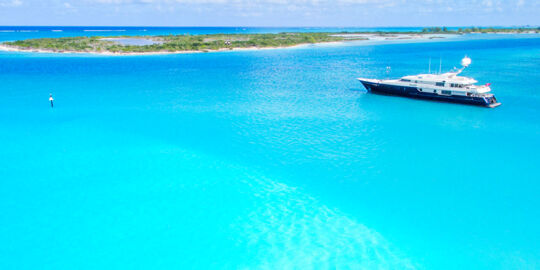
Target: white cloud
x=11, y=3
x=243, y=2
x=317, y=8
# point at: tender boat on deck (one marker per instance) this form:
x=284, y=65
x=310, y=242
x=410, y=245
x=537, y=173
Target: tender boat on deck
x=443, y=87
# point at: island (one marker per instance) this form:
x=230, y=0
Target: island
x=125, y=45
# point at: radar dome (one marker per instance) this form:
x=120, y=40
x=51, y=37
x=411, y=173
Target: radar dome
x=466, y=61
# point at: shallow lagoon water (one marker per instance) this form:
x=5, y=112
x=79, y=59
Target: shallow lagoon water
x=133, y=41
x=269, y=159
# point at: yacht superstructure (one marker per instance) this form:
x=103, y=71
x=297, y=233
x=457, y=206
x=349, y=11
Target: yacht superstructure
x=444, y=87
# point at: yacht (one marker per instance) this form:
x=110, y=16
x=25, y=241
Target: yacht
x=447, y=87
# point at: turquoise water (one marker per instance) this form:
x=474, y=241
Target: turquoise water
x=132, y=41
x=269, y=159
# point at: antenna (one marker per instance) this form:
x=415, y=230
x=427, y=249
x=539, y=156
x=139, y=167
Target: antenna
x=440, y=65
x=429, y=71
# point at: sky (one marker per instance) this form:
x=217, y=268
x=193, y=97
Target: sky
x=361, y=13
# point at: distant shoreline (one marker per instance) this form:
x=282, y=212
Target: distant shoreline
x=339, y=38
x=181, y=44
x=4, y=47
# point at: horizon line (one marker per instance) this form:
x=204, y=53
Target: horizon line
x=231, y=26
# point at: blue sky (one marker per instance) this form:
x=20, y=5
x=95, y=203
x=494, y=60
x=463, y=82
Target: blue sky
x=270, y=12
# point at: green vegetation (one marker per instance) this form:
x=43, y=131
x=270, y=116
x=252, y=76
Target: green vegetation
x=179, y=43
x=59, y=44
x=175, y=43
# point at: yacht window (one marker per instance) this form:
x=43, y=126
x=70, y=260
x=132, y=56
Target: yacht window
x=405, y=80
x=446, y=92
x=439, y=84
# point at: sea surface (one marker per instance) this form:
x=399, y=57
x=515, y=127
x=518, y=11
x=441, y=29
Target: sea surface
x=270, y=159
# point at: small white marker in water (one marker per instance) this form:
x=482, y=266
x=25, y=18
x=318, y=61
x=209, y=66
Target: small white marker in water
x=51, y=99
